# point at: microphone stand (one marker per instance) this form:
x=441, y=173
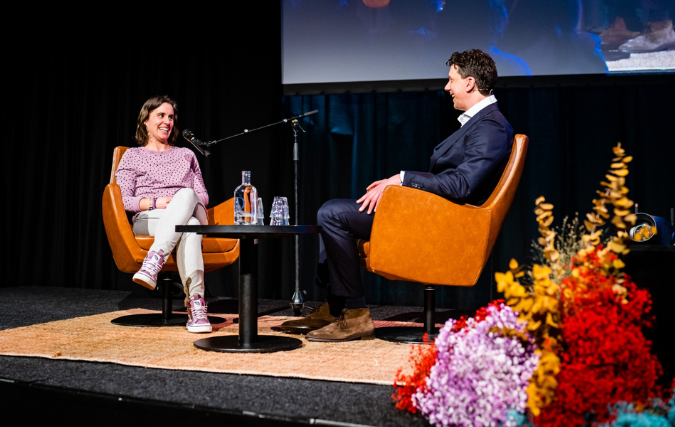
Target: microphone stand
x=297, y=301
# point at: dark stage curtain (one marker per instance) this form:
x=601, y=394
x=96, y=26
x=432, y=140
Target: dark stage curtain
x=68, y=101
x=65, y=106
x=359, y=138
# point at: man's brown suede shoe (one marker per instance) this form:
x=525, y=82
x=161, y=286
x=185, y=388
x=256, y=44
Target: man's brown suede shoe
x=350, y=325
x=316, y=320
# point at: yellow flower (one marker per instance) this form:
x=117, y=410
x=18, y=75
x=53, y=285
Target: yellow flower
x=541, y=390
x=504, y=280
x=618, y=264
x=540, y=272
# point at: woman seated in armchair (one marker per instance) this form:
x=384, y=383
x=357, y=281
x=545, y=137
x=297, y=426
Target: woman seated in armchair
x=163, y=186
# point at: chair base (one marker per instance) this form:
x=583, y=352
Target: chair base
x=405, y=335
x=166, y=317
x=157, y=319
x=415, y=335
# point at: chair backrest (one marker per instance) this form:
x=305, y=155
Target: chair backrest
x=123, y=245
x=501, y=198
x=129, y=250
x=117, y=156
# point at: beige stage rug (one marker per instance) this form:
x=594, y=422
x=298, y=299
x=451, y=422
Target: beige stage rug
x=95, y=339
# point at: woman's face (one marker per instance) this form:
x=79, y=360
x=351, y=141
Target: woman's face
x=160, y=123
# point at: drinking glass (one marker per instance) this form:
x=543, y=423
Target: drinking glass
x=277, y=213
x=287, y=216
x=260, y=213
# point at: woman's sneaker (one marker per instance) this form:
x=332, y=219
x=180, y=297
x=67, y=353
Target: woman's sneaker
x=198, y=321
x=152, y=265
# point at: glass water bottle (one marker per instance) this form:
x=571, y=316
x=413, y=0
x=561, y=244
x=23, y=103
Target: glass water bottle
x=245, y=201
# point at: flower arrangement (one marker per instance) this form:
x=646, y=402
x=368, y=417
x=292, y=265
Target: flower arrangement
x=493, y=358
x=564, y=348
x=423, y=358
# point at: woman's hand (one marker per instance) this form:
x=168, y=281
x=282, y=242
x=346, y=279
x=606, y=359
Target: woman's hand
x=162, y=202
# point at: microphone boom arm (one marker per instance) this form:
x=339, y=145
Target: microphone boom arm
x=247, y=131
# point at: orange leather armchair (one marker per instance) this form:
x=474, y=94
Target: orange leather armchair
x=421, y=237
x=129, y=250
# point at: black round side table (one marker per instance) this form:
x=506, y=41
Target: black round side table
x=248, y=340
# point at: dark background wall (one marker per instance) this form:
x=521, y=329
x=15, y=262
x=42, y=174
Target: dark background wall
x=66, y=105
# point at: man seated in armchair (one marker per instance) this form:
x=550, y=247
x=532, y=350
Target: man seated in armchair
x=464, y=168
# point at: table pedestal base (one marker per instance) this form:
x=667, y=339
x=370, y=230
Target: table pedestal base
x=248, y=340
x=264, y=344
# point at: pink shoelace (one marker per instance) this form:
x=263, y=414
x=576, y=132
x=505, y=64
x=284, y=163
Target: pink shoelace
x=199, y=313
x=151, y=266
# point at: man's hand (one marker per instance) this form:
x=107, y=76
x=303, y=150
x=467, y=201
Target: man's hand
x=371, y=199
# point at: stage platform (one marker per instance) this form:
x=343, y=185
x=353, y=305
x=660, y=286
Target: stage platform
x=110, y=394
x=44, y=389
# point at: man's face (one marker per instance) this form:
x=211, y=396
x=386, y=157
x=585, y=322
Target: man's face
x=458, y=88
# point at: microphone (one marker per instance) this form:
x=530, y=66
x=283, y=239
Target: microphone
x=295, y=118
x=187, y=134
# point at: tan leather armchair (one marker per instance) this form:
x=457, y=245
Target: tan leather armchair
x=421, y=237
x=129, y=251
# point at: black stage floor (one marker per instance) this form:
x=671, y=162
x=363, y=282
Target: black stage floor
x=110, y=394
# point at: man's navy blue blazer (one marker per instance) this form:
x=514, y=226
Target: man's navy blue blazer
x=466, y=166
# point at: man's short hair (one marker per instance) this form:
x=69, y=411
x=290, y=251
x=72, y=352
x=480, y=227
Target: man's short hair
x=477, y=64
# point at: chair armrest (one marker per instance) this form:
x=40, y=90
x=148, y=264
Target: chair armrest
x=423, y=237
x=222, y=214
x=127, y=253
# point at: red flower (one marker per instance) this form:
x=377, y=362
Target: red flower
x=605, y=356
x=422, y=358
